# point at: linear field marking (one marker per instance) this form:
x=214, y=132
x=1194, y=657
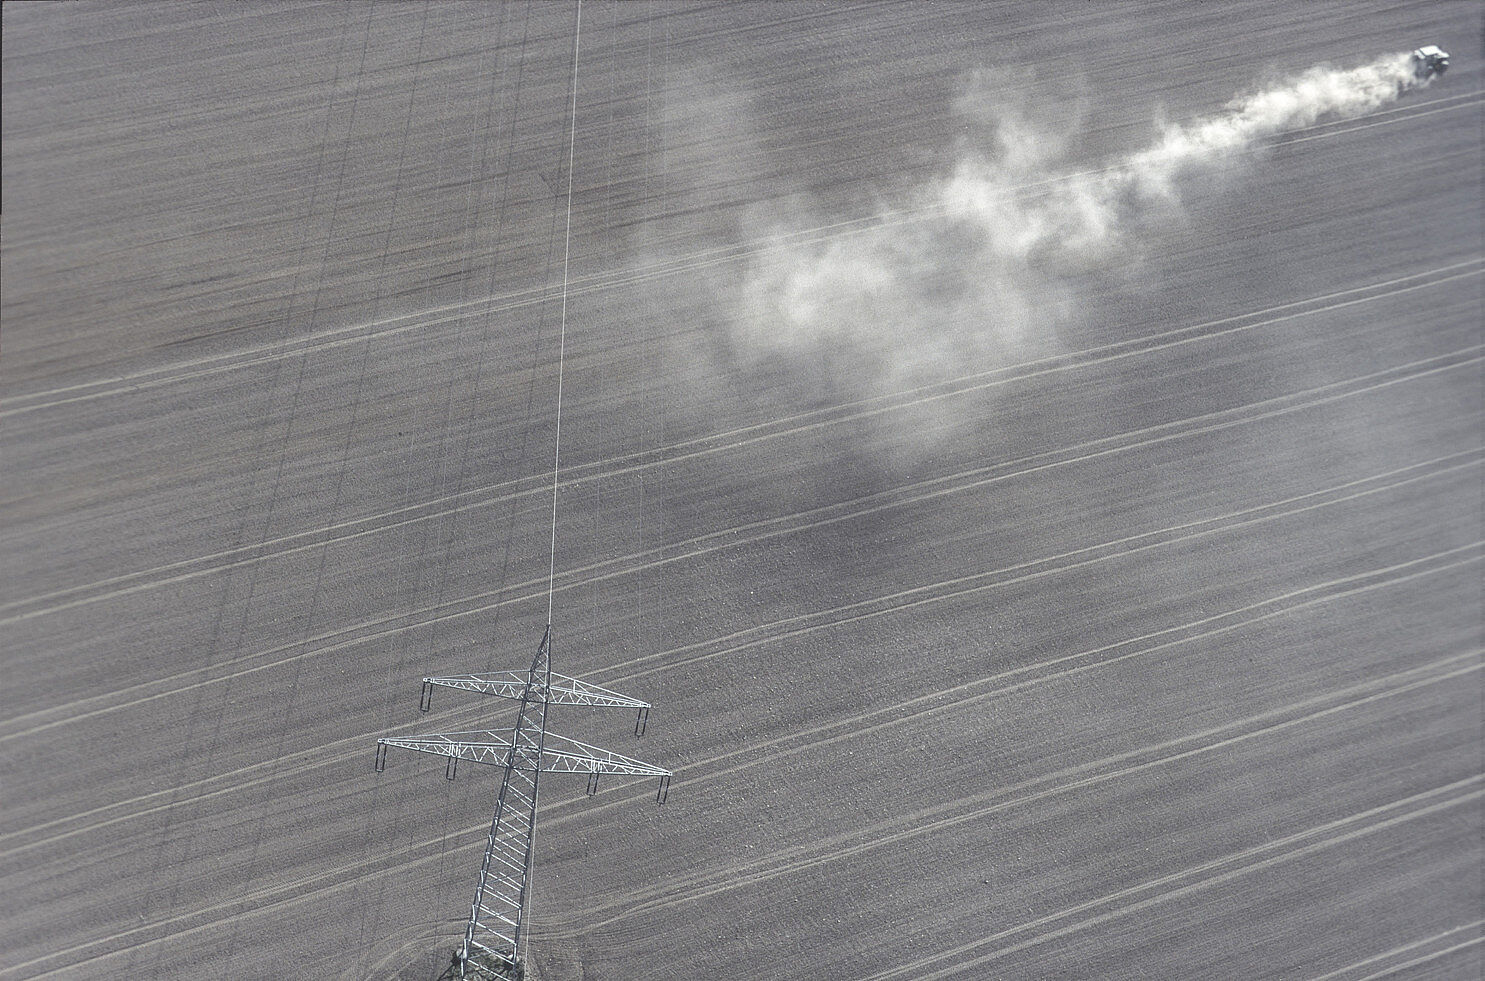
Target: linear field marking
x=259, y=902
x=895, y=830
x=1384, y=122
x=1424, y=959
x=1394, y=952
x=596, y=282
x=715, y=444
x=919, y=590
x=920, y=707
x=972, y=584
x=1308, y=842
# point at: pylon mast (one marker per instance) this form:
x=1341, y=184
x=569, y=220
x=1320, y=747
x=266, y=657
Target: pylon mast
x=499, y=909
x=492, y=947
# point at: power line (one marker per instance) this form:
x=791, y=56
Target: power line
x=577, y=35
x=496, y=938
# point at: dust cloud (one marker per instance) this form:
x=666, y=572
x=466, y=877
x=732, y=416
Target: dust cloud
x=978, y=266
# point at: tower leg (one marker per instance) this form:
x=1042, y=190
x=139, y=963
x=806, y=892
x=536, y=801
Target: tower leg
x=381, y=756
x=494, y=938
x=426, y=701
x=662, y=794
x=451, y=768
x=642, y=722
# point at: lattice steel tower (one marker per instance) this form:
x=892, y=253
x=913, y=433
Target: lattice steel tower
x=493, y=939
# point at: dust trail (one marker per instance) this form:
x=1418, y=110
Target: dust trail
x=995, y=268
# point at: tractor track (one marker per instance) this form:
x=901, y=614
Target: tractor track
x=42, y=720
x=1177, y=885
x=115, y=587
x=947, y=815
x=1352, y=972
x=1138, y=651
x=150, y=378
x=927, y=705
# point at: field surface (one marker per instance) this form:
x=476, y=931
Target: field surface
x=1010, y=610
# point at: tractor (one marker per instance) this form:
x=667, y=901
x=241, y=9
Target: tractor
x=1430, y=60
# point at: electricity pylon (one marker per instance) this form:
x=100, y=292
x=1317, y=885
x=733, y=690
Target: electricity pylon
x=493, y=938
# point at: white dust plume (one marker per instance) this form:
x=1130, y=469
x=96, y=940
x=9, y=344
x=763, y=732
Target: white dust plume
x=982, y=262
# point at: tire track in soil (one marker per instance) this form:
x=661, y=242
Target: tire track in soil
x=42, y=720
x=678, y=891
x=315, y=885
x=807, y=623
x=1292, y=846
x=592, y=283
x=493, y=495
x=1407, y=948
x=932, y=703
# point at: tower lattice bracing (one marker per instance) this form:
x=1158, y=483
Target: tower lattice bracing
x=499, y=910
x=493, y=938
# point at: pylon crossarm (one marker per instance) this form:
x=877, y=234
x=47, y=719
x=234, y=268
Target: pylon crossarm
x=505, y=684
x=485, y=746
x=493, y=747
x=571, y=691
x=494, y=943
x=563, y=755
x=564, y=690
